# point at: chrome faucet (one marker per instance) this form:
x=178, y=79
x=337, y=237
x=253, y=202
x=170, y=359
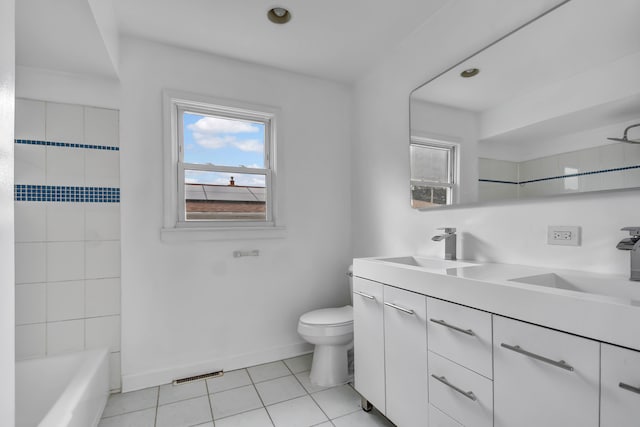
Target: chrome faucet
x=449, y=237
x=632, y=244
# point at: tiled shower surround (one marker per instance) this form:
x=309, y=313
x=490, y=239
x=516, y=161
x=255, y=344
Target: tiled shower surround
x=610, y=166
x=67, y=225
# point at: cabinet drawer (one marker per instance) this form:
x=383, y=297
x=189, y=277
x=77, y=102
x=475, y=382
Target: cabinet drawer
x=461, y=334
x=620, y=382
x=437, y=418
x=455, y=398
x=544, y=377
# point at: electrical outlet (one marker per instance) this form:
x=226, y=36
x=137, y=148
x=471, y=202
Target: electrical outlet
x=567, y=235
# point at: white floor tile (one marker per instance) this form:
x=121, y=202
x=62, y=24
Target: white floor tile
x=327, y=424
x=306, y=383
x=300, y=412
x=235, y=401
x=185, y=413
x=231, y=379
x=144, y=418
x=268, y=371
x=300, y=363
x=362, y=419
x=280, y=389
x=338, y=401
x=133, y=401
x=255, y=418
x=170, y=393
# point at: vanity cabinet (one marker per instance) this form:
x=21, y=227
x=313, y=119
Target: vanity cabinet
x=620, y=387
x=544, y=377
x=405, y=336
x=368, y=341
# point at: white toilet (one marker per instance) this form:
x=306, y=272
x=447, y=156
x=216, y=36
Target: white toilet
x=331, y=330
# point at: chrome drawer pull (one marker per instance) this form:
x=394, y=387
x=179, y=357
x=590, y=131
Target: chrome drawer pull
x=560, y=364
x=362, y=294
x=455, y=328
x=630, y=388
x=397, y=307
x=467, y=394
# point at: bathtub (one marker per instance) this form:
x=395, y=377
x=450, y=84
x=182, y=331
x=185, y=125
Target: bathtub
x=69, y=390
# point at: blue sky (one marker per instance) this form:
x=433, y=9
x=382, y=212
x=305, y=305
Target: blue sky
x=226, y=142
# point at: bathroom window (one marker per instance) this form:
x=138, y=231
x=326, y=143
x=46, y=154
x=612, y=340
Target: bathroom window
x=433, y=172
x=221, y=158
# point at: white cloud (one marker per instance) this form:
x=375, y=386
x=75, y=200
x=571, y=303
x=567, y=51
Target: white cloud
x=216, y=125
x=215, y=132
x=252, y=145
x=213, y=141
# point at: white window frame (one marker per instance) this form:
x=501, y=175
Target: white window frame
x=176, y=227
x=454, y=159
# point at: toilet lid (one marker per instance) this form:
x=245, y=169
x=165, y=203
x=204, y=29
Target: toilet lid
x=329, y=316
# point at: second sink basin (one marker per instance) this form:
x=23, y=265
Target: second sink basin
x=590, y=284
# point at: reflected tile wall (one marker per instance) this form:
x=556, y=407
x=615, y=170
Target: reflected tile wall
x=67, y=230
x=610, y=166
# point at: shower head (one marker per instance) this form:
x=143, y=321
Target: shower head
x=625, y=138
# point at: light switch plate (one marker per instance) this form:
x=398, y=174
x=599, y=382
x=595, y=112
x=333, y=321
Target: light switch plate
x=566, y=235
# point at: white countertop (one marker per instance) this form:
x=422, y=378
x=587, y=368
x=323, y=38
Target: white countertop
x=609, y=311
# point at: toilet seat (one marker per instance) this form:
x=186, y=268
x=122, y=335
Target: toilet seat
x=327, y=322
x=329, y=317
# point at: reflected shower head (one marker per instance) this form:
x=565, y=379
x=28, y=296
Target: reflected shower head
x=625, y=138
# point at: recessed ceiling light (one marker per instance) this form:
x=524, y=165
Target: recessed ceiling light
x=470, y=72
x=279, y=15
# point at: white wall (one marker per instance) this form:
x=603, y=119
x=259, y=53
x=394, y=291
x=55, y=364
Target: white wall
x=191, y=307
x=383, y=222
x=7, y=86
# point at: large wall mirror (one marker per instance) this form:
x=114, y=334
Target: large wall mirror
x=541, y=112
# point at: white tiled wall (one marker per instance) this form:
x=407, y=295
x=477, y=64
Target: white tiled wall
x=67, y=253
x=608, y=156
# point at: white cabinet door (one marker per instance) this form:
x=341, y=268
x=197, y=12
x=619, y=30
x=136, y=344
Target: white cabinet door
x=544, y=377
x=368, y=339
x=620, y=382
x=405, y=332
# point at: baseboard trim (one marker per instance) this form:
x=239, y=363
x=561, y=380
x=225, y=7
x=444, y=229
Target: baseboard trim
x=138, y=381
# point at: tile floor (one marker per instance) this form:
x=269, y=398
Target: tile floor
x=274, y=394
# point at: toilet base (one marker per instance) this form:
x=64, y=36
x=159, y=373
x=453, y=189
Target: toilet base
x=330, y=365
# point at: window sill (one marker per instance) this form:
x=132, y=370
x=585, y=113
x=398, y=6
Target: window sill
x=194, y=234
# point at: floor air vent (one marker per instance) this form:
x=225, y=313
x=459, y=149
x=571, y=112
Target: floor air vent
x=198, y=377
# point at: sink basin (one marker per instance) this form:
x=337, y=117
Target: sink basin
x=428, y=263
x=590, y=284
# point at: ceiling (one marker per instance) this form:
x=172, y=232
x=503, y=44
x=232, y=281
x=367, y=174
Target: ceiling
x=331, y=39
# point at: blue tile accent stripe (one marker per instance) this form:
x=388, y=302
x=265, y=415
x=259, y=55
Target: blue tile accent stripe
x=562, y=176
x=58, y=193
x=65, y=144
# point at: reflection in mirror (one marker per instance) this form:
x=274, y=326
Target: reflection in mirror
x=433, y=167
x=537, y=117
